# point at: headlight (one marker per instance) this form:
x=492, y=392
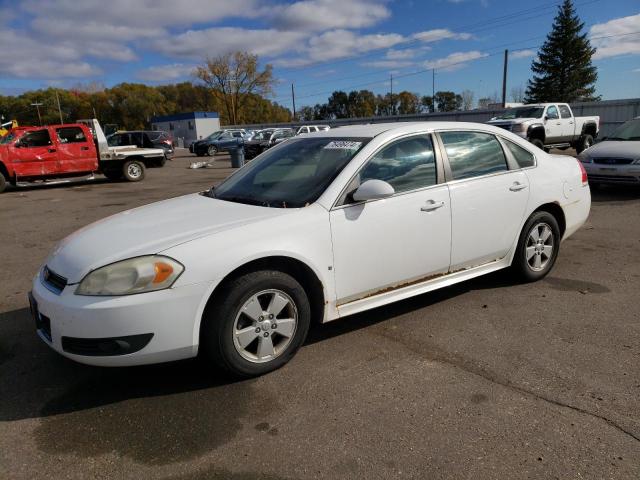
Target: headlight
x=584, y=158
x=135, y=275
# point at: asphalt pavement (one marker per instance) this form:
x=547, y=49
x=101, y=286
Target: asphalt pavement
x=485, y=379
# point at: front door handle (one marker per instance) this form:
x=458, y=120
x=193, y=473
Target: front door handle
x=52, y=150
x=516, y=187
x=84, y=148
x=431, y=206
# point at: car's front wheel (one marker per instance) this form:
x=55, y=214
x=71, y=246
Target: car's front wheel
x=255, y=323
x=212, y=150
x=538, y=247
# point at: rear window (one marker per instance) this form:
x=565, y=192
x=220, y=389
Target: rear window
x=473, y=154
x=71, y=135
x=523, y=157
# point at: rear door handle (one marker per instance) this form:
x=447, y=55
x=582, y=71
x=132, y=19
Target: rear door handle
x=84, y=148
x=52, y=150
x=516, y=187
x=431, y=206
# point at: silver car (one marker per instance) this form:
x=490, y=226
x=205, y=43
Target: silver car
x=616, y=159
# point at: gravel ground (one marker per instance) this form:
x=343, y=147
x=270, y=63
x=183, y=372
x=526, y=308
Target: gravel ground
x=485, y=379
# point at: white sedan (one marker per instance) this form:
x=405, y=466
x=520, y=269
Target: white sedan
x=318, y=228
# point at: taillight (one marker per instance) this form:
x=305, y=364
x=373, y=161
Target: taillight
x=585, y=180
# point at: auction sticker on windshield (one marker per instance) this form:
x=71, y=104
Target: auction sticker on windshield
x=342, y=145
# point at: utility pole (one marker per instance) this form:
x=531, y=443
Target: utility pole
x=504, y=79
x=37, y=105
x=59, y=109
x=293, y=100
x=393, y=104
x=433, y=89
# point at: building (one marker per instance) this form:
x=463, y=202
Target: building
x=186, y=128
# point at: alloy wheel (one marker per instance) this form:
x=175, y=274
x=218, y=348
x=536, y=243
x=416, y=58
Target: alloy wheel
x=539, y=247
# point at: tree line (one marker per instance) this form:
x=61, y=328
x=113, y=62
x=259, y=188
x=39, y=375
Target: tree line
x=131, y=105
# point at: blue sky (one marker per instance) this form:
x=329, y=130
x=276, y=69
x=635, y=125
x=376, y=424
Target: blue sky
x=319, y=45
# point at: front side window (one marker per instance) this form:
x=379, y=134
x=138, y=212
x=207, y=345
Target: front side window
x=552, y=113
x=37, y=138
x=406, y=164
x=524, y=158
x=292, y=175
x=71, y=135
x=565, y=112
x=473, y=154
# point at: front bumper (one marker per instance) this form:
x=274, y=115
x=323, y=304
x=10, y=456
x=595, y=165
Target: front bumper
x=613, y=174
x=155, y=327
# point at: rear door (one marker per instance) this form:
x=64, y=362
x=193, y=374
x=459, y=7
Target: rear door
x=35, y=154
x=76, y=151
x=568, y=122
x=488, y=199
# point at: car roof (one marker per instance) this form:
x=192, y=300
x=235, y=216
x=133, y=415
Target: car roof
x=375, y=129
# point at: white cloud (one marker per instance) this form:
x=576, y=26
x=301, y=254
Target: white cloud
x=440, y=34
x=623, y=43
x=387, y=64
x=165, y=73
x=522, y=54
x=198, y=44
x=454, y=61
x=321, y=15
x=28, y=58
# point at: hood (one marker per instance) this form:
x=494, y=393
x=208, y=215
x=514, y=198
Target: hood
x=614, y=148
x=512, y=121
x=149, y=230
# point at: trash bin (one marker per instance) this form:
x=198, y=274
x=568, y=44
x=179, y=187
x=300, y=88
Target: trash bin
x=237, y=156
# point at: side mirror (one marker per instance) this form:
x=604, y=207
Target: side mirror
x=373, y=190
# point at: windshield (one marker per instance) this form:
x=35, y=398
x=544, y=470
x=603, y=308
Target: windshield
x=215, y=135
x=292, y=175
x=263, y=135
x=521, y=112
x=627, y=131
x=8, y=138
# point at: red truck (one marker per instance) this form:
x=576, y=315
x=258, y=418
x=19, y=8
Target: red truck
x=54, y=152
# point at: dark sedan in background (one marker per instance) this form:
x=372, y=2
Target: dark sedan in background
x=218, y=141
x=265, y=139
x=144, y=139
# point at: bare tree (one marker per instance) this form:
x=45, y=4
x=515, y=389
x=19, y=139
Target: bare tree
x=467, y=99
x=234, y=77
x=517, y=94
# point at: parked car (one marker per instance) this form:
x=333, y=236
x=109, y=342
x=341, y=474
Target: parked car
x=311, y=129
x=318, y=228
x=616, y=159
x=218, y=141
x=550, y=125
x=144, y=139
x=70, y=150
x=265, y=139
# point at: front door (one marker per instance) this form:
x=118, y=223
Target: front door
x=488, y=200
x=76, y=153
x=384, y=244
x=552, y=125
x=34, y=154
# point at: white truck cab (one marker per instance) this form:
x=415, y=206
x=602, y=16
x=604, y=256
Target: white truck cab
x=549, y=125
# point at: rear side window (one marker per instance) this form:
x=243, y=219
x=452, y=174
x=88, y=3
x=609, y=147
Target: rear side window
x=37, y=138
x=407, y=164
x=565, y=112
x=473, y=154
x=523, y=157
x=71, y=135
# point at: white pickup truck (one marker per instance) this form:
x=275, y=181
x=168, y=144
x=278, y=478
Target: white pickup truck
x=549, y=125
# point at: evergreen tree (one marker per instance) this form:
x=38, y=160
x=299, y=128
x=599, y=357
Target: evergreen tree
x=563, y=71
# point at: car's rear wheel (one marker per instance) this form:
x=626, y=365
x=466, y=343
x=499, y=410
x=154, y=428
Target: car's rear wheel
x=585, y=142
x=256, y=323
x=133, y=171
x=538, y=247
x=3, y=183
x=212, y=150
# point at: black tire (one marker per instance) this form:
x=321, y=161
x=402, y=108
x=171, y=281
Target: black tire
x=133, y=171
x=520, y=265
x=160, y=162
x=113, y=175
x=216, y=334
x=212, y=150
x=3, y=183
x=585, y=142
x=537, y=142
